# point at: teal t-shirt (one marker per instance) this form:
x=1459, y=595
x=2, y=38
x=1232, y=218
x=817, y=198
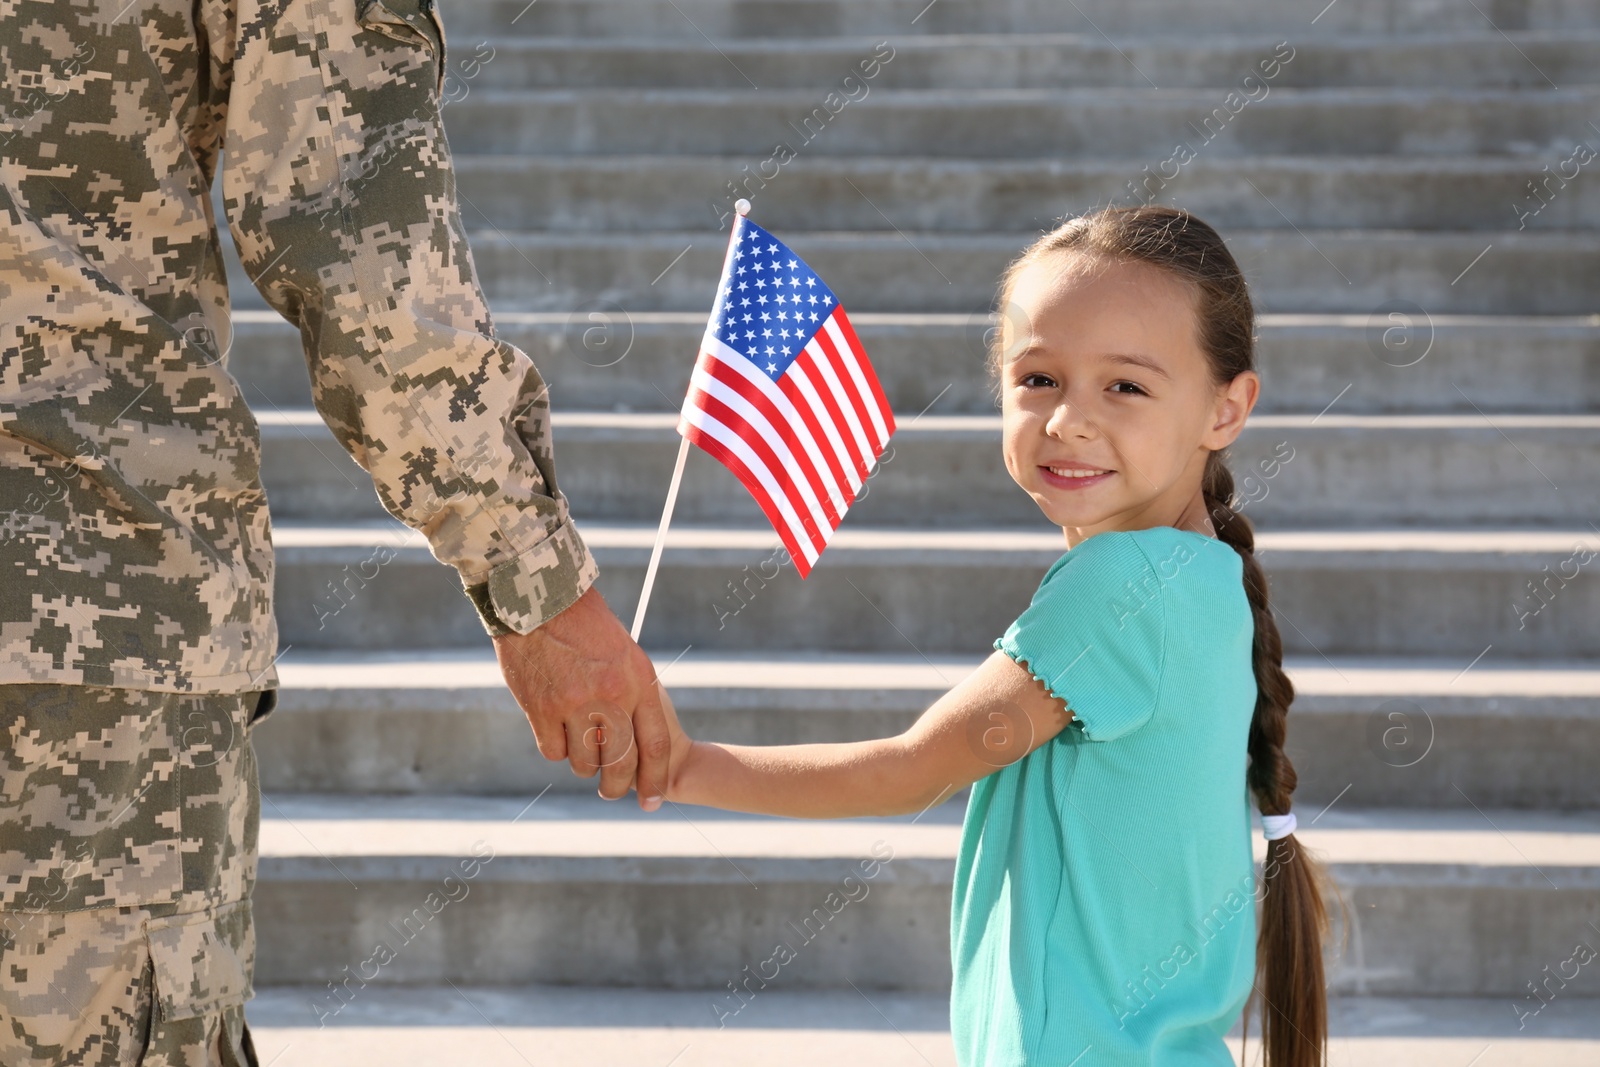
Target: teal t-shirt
x=1103, y=909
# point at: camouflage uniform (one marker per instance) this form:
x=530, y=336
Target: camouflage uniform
x=135, y=551
x=129, y=853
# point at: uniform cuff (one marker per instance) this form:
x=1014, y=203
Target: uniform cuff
x=522, y=594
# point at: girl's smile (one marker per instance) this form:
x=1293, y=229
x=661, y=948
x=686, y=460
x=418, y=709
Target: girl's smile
x=1072, y=476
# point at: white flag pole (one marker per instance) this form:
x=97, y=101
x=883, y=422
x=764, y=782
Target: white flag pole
x=661, y=538
x=743, y=208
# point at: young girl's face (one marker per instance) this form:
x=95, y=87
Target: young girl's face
x=1107, y=400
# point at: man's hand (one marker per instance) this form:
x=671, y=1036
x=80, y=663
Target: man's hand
x=591, y=695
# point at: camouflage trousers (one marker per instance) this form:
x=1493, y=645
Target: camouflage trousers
x=128, y=836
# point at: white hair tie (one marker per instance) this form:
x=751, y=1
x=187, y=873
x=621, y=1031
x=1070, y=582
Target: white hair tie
x=1276, y=826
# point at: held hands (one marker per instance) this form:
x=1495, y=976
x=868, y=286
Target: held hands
x=591, y=695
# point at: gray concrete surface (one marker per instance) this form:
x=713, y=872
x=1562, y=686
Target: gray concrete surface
x=582, y=1026
x=573, y=889
x=586, y=193
x=606, y=359
x=1345, y=271
x=990, y=60
x=1332, y=470
x=737, y=19
x=1388, y=732
x=1338, y=592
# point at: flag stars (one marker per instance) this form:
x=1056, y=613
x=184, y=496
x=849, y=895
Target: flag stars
x=769, y=303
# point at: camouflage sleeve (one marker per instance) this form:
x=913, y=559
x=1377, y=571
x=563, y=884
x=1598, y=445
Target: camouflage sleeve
x=340, y=193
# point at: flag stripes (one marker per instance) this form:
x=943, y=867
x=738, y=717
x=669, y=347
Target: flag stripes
x=783, y=394
x=782, y=439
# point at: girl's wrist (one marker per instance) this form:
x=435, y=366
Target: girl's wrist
x=682, y=777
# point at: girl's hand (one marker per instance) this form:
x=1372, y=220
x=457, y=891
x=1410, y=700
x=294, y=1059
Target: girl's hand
x=678, y=755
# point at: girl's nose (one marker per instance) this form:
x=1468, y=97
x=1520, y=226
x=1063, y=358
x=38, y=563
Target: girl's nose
x=1068, y=420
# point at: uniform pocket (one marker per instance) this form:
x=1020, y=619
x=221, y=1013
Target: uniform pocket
x=220, y=797
x=202, y=960
x=414, y=22
x=89, y=795
x=118, y=798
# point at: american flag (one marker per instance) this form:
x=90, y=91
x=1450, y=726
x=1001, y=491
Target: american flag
x=783, y=394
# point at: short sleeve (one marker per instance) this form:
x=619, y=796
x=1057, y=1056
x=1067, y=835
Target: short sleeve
x=1095, y=635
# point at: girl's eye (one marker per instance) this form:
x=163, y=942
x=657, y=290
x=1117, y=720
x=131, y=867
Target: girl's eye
x=1137, y=391
x=1036, y=380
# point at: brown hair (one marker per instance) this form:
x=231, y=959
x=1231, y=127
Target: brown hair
x=1294, y=921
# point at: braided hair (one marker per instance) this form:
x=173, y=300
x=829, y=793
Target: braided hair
x=1289, y=981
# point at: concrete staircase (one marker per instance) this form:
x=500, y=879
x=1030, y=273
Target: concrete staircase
x=1432, y=370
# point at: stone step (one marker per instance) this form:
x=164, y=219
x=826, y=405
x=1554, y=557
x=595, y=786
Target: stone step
x=948, y=470
x=1365, y=732
x=607, y=193
x=1408, y=364
x=566, y=1026
x=697, y=20
x=577, y=890
x=1338, y=271
x=1100, y=123
x=1392, y=592
x=1471, y=58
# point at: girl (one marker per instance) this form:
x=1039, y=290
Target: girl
x=1103, y=908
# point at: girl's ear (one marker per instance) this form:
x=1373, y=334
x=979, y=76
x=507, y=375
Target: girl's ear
x=1233, y=406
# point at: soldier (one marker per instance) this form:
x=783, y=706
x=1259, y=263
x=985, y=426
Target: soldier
x=137, y=638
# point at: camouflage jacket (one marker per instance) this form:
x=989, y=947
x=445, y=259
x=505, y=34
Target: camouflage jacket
x=135, y=548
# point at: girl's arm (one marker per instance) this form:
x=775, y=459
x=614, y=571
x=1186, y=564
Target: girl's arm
x=999, y=714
